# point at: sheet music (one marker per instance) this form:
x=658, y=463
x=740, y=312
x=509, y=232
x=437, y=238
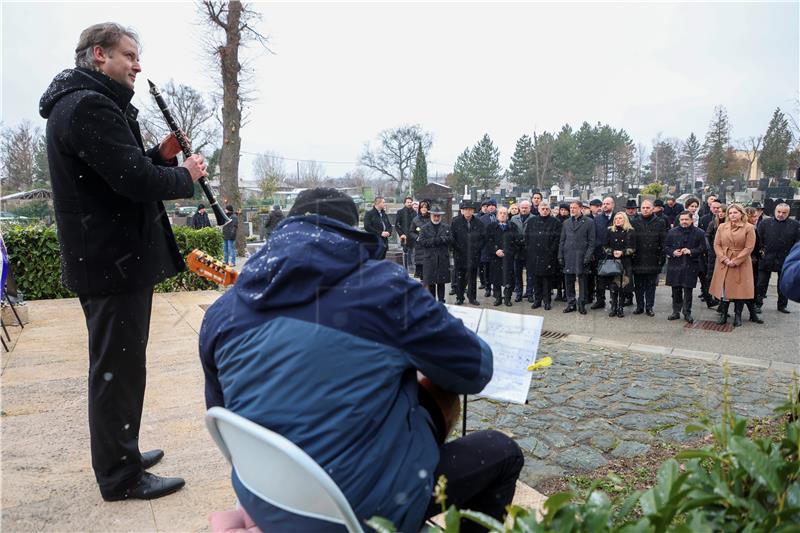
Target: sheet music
x=514, y=339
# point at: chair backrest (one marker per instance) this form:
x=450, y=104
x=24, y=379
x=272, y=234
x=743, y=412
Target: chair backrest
x=276, y=470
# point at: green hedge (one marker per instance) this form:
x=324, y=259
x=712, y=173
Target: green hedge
x=34, y=255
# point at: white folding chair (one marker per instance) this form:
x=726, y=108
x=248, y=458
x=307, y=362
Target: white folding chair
x=276, y=470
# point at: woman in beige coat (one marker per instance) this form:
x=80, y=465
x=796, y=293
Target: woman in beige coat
x=733, y=273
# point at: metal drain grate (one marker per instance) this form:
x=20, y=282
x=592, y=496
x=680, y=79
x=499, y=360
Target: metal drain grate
x=547, y=334
x=708, y=325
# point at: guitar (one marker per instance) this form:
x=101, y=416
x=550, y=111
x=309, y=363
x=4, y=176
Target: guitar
x=210, y=268
x=443, y=406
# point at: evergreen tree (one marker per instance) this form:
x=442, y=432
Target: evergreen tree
x=774, y=155
x=419, y=177
x=484, y=162
x=463, y=172
x=41, y=169
x=717, y=156
x=587, y=154
x=664, y=161
x=521, y=169
x=690, y=157
x=565, y=155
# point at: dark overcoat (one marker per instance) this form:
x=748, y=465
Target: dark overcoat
x=113, y=231
x=509, y=240
x=777, y=238
x=682, y=271
x=376, y=222
x=542, y=236
x=468, y=240
x=576, y=247
x=623, y=241
x=649, y=234
x=416, y=228
x=435, y=240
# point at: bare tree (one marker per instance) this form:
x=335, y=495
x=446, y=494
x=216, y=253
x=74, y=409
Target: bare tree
x=233, y=26
x=542, y=155
x=752, y=149
x=312, y=174
x=269, y=171
x=192, y=113
x=397, y=153
x=18, y=147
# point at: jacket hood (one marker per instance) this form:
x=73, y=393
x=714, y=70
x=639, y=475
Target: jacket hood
x=79, y=79
x=302, y=258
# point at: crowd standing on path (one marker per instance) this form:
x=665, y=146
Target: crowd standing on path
x=581, y=252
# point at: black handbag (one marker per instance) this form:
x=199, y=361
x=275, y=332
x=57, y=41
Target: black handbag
x=608, y=268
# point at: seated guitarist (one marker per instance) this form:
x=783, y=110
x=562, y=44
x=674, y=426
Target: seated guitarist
x=321, y=342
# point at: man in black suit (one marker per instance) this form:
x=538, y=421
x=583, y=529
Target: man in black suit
x=469, y=235
x=376, y=221
x=116, y=241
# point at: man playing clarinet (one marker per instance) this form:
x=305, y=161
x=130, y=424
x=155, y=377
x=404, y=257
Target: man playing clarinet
x=116, y=241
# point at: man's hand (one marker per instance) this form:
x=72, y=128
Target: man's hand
x=196, y=166
x=402, y=238
x=677, y=253
x=687, y=251
x=169, y=147
x=384, y=234
x=499, y=253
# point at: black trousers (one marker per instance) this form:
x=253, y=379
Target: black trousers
x=569, y=288
x=481, y=470
x=119, y=326
x=519, y=266
x=437, y=287
x=645, y=289
x=600, y=287
x=483, y=274
x=541, y=289
x=467, y=278
x=763, y=285
x=682, y=300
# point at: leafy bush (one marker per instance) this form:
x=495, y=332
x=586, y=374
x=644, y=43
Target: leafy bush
x=737, y=483
x=654, y=188
x=208, y=240
x=34, y=256
x=39, y=208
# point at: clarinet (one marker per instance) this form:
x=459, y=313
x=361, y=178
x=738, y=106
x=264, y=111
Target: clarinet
x=219, y=214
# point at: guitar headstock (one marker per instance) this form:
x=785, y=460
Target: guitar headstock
x=210, y=268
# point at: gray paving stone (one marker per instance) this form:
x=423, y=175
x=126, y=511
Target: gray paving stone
x=558, y=440
x=534, y=446
x=644, y=421
x=629, y=449
x=642, y=393
x=581, y=458
x=603, y=441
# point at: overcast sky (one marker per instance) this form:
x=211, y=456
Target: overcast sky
x=343, y=72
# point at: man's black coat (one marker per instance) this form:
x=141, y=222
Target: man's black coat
x=376, y=222
x=468, y=240
x=542, y=237
x=682, y=271
x=777, y=238
x=107, y=191
x=649, y=234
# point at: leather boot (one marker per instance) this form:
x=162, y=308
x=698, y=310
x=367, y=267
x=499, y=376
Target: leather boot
x=723, y=312
x=614, y=303
x=751, y=308
x=507, y=296
x=738, y=306
x=620, y=309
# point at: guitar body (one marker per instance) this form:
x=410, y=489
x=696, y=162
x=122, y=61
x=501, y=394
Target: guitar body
x=210, y=268
x=443, y=406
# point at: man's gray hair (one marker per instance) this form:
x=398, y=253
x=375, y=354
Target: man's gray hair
x=105, y=35
x=782, y=204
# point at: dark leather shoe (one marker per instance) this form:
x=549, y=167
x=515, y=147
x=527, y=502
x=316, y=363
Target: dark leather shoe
x=497, y=301
x=536, y=305
x=638, y=311
x=783, y=310
x=151, y=458
x=599, y=304
x=530, y=299
x=674, y=316
x=613, y=312
x=620, y=312
x=518, y=298
x=688, y=319
x=148, y=487
x=487, y=293
x=570, y=309
x=650, y=312
x=459, y=301
x=582, y=309
x=547, y=307
x=474, y=302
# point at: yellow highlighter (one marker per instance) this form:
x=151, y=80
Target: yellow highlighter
x=541, y=363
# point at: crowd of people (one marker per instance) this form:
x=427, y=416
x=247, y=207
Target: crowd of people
x=591, y=255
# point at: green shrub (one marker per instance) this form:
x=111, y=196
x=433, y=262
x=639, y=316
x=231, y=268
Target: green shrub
x=737, y=483
x=34, y=255
x=208, y=240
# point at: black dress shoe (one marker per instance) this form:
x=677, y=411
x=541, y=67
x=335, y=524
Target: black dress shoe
x=674, y=316
x=151, y=458
x=783, y=310
x=487, y=293
x=536, y=305
x=148, y=487
x=650, y=312
x=582, y=309
x=570, y=309
x=518, y=298
x=497, y=301
x=688, y=319
x=474, y=302
x=459, y=301
x=638, y=311
x=530, y=299
x=599, y=304
x=547, y=307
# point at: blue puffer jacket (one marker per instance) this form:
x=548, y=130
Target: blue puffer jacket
x=321, y=342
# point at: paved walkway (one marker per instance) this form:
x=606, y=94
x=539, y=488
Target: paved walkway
x=595, y=402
